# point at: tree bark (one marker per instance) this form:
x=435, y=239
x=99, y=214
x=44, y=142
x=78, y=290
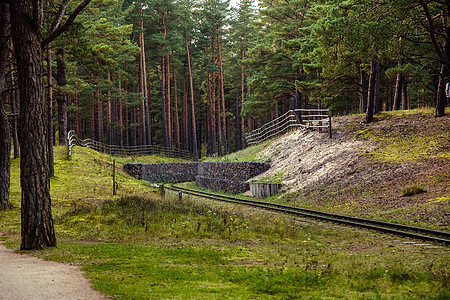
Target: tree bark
x=441, y=98
x=184, y=113
x=222, y=97
x=175, y=112
x=371, y=97
x=36, y=214
x=5, y=134
x=404, y=93
x=100, y=133
x=398, y=92
x=50, y=135
x=164, y=104
x=109, y=113
x=242, y=99
x=169, y=103
x=144, y=87
x=362, y=90
x=62, y=96
x=194, y=130
x=14, y=109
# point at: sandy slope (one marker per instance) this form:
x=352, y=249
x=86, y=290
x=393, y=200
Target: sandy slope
x=26, y=277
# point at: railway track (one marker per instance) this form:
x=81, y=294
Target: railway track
x=386, y=227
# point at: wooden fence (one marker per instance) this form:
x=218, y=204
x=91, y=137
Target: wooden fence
x=306, y=118
x=115, y=150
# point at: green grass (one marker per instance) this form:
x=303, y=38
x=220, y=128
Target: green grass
x=138, y=246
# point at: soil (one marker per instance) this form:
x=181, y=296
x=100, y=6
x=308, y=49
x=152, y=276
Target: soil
x=340, y=175
x=26, y=277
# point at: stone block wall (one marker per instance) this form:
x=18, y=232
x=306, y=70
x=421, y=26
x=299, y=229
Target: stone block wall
x=232, y=170
x=227, y=177
x=134, y=169
x=169, y=172
x=222, y=185
x=162, y=172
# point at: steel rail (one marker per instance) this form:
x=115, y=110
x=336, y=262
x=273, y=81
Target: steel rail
x=386, y=227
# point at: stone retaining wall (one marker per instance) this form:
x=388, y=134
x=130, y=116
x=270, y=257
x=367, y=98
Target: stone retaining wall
x=169, y=172
x=162, y=172
x=232, y=170
x=222, y=185
x=227, y=177
x=134, y=169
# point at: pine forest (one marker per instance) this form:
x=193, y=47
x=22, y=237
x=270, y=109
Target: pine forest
x=198, y=75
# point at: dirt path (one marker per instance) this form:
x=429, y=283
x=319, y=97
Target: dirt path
x=27, y=277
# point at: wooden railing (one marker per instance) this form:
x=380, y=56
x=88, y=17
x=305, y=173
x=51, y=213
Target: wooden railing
x=115, y=150
x=306, y=118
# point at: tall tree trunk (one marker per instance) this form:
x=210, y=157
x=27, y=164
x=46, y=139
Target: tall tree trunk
x=222, y=97
x=50, y=112
x=219, y=119
x=371, y=97
x=184, y=114
x=404, y=93
x=194, y=129
x=127, y=122
x=92, y=121
x=92, y=132
x=109, y=112
x=169, y=103
x=164, y=104
x=144, y=87
x=5, y=134
x=36, y=213
x=441, y=98
x=14, y=108
x=78, y=126
x=175, y=113
x=120, y=115
x=398, y=92
x=237, y=123
x=211, y=120
x=363, y=90
x=377, y=99
x=242, y=98
x=250, y=119
x=100, y=133
x=133, y=133
x=298, y=95
x=62, y=96
x=398, y=88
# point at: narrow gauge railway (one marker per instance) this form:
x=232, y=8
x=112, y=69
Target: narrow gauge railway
x=386, y=227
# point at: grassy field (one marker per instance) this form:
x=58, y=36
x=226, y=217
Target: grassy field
x=137, y=245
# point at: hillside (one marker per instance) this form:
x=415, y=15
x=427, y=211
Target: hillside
x=365, y=168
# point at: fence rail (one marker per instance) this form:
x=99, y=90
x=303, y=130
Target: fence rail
x=306, y=118
x=115, y=150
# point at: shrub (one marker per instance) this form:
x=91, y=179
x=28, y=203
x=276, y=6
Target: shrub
x=413, y=190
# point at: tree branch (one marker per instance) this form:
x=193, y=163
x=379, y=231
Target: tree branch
x=59, y=16
x=432, y=34
x=60, y=29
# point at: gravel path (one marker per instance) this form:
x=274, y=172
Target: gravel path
x=26, y=277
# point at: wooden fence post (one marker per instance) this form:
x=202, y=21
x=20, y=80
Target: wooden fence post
x=114, y=177
x=329, y=124
x=163, y=192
